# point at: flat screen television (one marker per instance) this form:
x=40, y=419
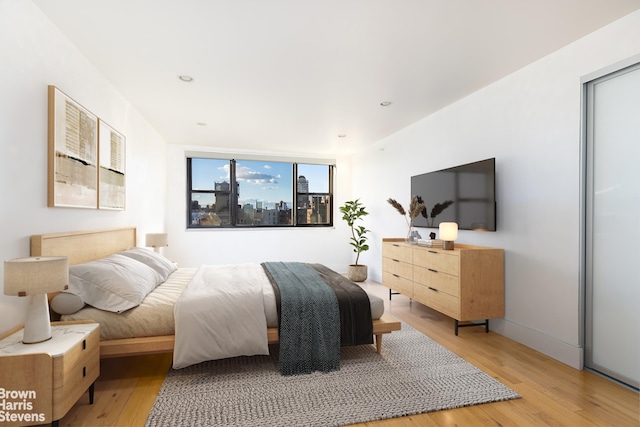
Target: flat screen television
x=464, y=194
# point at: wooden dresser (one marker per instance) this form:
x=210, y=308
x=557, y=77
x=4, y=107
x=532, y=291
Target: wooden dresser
x=466, y=283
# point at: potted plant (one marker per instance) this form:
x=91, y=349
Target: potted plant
x=353, y=211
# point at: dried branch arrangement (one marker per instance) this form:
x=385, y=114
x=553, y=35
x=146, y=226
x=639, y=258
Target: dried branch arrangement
x=416, y=206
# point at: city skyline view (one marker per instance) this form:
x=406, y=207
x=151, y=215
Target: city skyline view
x=259, y=181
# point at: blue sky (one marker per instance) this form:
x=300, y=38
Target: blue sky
x=268, y=182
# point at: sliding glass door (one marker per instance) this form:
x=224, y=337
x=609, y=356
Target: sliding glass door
x=612, y=226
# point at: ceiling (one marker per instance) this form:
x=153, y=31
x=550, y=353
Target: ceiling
x=309, y=76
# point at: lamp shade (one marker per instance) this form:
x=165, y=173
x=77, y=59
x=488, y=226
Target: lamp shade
x=448, y=231
x=35, y=275
x=156, y=240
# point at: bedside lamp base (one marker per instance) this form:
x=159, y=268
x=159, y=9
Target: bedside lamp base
x=37, y=328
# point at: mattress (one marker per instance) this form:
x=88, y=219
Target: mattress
x=154, y=316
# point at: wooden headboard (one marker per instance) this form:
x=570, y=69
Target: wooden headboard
x=84, y=246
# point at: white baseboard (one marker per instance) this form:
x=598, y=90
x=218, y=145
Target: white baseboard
x=550, y=346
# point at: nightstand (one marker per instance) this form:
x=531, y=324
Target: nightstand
x=40, y=382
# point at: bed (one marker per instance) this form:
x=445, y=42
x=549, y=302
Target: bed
x=85, y=246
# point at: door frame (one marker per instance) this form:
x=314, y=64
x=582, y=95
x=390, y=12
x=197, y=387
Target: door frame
x=586, y=205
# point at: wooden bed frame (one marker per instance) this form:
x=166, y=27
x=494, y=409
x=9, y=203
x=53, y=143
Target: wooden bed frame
x=84, y=246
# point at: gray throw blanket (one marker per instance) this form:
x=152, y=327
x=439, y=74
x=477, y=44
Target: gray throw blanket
x=309, y=319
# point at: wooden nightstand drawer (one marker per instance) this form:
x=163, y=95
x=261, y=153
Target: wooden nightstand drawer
x=74, y=372
x=77, y=355
x=76, y=383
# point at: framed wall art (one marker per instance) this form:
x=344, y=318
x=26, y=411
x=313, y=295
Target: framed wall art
x=111, y=174
x=73, y=153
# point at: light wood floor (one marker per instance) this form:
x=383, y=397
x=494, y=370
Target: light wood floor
x=553, y=394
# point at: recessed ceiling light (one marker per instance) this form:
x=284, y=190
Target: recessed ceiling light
x=186, y=78
x=385, y=103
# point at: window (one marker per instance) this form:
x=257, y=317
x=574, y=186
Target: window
x=258, y=193
x=314, y=200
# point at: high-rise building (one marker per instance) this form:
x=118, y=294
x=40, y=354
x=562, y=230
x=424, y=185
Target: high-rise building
x=222, y=192
x=303, y=190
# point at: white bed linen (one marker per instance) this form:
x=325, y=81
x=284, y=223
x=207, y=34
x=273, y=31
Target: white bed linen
x=154, y=317
x=221, y=314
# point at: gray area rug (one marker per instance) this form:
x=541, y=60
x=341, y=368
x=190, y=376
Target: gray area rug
x=412, y=375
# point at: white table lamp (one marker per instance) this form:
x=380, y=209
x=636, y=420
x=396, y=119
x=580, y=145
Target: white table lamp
x=448, y=233
x=156, y=241
x=35, y=277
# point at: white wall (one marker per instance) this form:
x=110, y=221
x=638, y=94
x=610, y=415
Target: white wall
x=33, y=55
x=530, y=122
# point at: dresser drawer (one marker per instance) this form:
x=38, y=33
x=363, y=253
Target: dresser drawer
x=441, y=281
x=440, y=301
x=397, y=268
x=398, y=252
x=439, y=260
x=397, y=283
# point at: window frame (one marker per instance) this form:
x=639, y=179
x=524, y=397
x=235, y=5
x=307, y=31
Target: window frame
x=234, y=190
x=311, y=194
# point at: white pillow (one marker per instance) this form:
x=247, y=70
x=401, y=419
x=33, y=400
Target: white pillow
x=163, y=266
x=66, y=303
x=115, y=283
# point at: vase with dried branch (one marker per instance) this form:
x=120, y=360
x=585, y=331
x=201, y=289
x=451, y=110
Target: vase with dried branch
x=416, y=206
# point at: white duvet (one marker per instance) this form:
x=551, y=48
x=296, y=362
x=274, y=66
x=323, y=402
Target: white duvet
x=221, y=314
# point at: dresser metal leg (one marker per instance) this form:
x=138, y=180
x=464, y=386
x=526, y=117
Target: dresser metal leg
x=485, y=324
x=92, y=388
